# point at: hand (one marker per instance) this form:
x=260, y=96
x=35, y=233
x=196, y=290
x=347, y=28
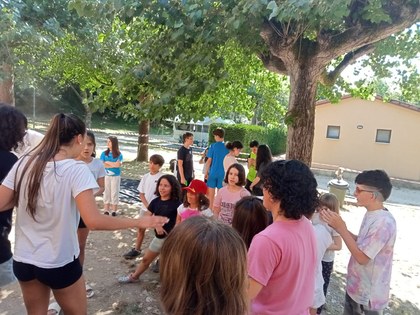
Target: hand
x=152, y=222
x=251, y=187
x=161, y=231
x=206, y=176
x=333, y=219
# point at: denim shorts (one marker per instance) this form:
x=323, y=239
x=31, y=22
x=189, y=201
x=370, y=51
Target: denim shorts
x=156, y=244
x=55, y=278
x=6, y=273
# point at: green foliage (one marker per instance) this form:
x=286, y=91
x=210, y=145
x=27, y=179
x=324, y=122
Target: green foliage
x=276, y=138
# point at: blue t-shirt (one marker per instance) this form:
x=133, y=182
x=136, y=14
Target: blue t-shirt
x=111, y=171
x=217, y=153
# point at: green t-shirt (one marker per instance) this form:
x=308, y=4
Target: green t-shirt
x=252, y=172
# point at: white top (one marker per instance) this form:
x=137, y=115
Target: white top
x=323, y=241
x=147, y=185
x=329, y=254
x=206, y=212
x=31, y=139
x=228, y=161
x=50, y=241
x=97, y=168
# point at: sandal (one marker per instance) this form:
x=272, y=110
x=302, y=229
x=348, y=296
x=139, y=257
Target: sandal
x=54, y=309
x=127, y=279
x=89, y=291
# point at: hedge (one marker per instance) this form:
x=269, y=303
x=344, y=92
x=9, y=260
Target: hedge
x=274, y=137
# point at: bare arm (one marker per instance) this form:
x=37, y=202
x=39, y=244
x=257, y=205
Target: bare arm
x=216, y=211
x=337, y=223
x=101, y=184
x=251, y=162
x=143, y=200
x=337, y=243
x=254, y=288
x=208, y=164
x=112, y=164
x=6, y=198
x=94, y=220
x=254, y=182
x=181, y=171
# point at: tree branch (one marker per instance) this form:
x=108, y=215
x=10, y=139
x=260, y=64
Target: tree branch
x=329, y=78
x=273, y=63
x=76, y=92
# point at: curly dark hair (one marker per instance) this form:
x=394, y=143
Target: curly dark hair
x=293, y=184
x=176, y=187
x=12, y=127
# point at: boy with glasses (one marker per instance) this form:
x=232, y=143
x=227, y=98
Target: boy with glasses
x=369, y=269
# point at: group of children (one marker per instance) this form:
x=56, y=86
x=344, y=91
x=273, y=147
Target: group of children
x=281, y=277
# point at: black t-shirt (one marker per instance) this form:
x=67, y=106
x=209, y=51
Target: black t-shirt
x=7, y=160
x=165, y=208
x=186, y=156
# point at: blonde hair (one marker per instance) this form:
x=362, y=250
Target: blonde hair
x=203, y=269
x=330, y=201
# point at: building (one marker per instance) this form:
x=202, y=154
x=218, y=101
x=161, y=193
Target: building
x=361, y=134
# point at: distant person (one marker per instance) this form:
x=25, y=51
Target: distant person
x=112, y=159
x=234, y=148
x=328, y=201
x=282, y=258
x=195, y=201
x=147, y=191
x=185, y=163
x=204, y=270
x=168, y=192
x=370, y=265
x=12, y=131
x=252, y=162
x=264, y=158
x=46, y=187
x=230, y=194
x=96, y=166
x=203, y=161
x=31, y=139
x=215, y=172
x=249, y=218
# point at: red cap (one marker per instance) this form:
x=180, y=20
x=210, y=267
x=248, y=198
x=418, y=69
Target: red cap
x=197, y=187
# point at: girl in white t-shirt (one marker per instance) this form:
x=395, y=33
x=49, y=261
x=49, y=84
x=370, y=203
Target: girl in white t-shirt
x=46, y=187
x=195, y=201
x=230, y=194
x=234, y=148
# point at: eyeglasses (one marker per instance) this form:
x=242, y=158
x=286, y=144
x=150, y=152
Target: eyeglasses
x=358, y=190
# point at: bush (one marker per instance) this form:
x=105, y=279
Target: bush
x=274, y=137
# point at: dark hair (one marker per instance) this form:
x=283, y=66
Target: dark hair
x=175, y=186
x=92, y=138
x=157, y=159
x=220, y=132
x=241, y=174
x=62, y=131
x=203, y=202
x=293, y=184
x=186, y=135
x=203, y=269
x=377, y=179
x=249, y=218
x=115, y=147
x=12, y=127
x=264, y=156
x=253, y=143
x=235, y=144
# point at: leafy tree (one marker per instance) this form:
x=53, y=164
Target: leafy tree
x=310, y=41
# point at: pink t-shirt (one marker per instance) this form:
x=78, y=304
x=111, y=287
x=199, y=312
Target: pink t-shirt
x=282, y=258
x=226, y=201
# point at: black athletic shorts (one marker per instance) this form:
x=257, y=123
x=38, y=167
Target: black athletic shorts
x=55, y=278
x=82, y=224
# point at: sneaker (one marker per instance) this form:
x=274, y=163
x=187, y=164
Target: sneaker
x=106, y=213
x=127, y=279
x=155, y=267
x=114, y=214
x=132, y=253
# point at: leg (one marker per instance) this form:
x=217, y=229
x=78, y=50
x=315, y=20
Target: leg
x=210, y=195
x=139, y=239
x=82, y=234
x=148, y=257
x=107, y=193
x=115, y=193
x=72, y=299
x=36, y=296
x=351, y=307
x=327, y=267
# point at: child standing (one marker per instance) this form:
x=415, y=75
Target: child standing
x=168, y=192
x=370, y=265
x=112, y=159
x=97, y=168
x=230, y=194
x=328, y=201
x=147, y=189
x=249, y=218
x=195, y=201
x=264, y=158
x=234, y=148
x=252, y=159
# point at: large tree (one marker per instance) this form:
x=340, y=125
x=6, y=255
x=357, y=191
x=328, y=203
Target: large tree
x=310, y=41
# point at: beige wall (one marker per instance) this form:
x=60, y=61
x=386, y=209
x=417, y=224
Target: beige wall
x=356, y=148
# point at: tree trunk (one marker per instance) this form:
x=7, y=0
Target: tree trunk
x=143, y=142
x=300, y=118
x=88, y=116
x=7, y=94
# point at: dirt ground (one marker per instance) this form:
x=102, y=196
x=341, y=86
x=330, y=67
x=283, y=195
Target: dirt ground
x=104, y=263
